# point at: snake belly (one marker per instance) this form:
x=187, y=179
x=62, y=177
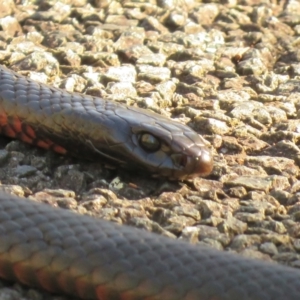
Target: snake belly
x=62, y=252
x=93, y=128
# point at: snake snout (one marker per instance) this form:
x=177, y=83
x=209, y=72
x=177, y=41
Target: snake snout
x=193, y=165
x=203, y=164
x=200, y=165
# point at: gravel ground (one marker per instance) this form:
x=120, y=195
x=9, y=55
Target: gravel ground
x=231, y=71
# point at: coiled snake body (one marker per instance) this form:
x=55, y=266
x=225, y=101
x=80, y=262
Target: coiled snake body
x=62, y=252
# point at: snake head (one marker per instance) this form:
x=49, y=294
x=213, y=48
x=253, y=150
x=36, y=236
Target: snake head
x=164, y=147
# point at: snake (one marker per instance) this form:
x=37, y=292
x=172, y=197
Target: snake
x=91, y=127
x=62, y=252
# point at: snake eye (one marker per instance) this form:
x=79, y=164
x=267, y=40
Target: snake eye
x=149, y=142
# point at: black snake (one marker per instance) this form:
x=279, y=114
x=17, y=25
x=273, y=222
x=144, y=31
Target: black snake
x=62, y=252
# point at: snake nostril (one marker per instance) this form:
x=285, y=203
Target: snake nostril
x=180, y=160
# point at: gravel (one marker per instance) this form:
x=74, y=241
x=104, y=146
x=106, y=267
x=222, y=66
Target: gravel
x=230, y=71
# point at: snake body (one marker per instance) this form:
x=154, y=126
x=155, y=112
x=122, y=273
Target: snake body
x=62, y=252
